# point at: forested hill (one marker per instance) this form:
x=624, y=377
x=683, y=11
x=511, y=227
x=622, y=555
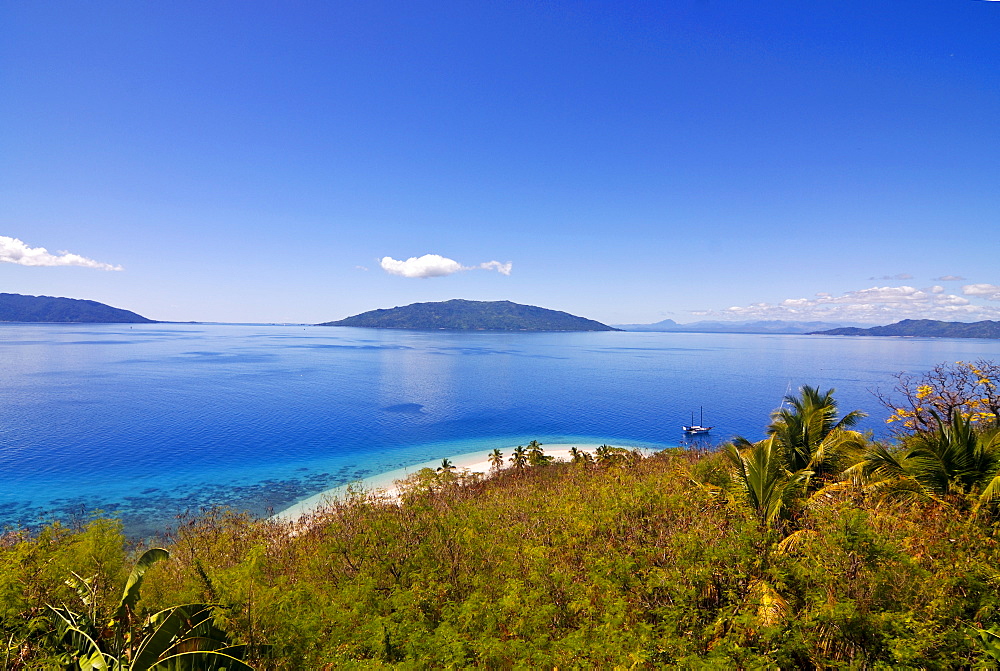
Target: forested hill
x=462, y=315
x=20, y=308
x=925, y=328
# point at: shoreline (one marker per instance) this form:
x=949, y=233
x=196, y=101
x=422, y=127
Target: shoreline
x=384, y=484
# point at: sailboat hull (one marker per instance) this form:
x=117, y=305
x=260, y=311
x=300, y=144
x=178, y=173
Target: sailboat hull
x=695, y=429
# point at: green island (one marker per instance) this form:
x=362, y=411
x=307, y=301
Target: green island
x=49, y=309
x=463, y=315
x=924, y=328
x=816, y=547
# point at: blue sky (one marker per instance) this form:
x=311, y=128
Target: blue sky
x=631, y=161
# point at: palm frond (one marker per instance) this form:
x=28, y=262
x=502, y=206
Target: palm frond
x=772, y=608
x=762, y=482
x=796, y=541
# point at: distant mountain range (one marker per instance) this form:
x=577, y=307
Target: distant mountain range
x=462, y=315
x=20, y=308
x=925, y=328
x=769, y=326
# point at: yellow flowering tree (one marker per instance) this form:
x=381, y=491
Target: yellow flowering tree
x=923, y=402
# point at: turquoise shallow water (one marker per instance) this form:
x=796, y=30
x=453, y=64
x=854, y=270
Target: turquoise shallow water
x=150, y=421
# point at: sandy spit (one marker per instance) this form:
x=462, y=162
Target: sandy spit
x=385, y=486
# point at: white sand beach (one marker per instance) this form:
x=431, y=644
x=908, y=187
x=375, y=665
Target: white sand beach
x=385, y=484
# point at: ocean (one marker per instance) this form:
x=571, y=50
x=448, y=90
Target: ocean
x=149, y=422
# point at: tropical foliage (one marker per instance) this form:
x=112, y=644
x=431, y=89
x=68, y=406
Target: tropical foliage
x=811, y=434
x=537, y=456
x=955, y=462
x=496, y=459
x=799, y=551
x=920, y=402
x=519, y=457
x=42, y=631
x=607, y=455
x=763, y=482
x=809, y=438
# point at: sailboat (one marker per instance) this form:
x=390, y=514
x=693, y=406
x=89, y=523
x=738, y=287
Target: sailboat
x=695, y=429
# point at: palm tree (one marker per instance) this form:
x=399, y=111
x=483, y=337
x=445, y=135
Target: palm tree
x=496, y=459
x=604, y=455
x=608, y=455
x=519, y=458
x=811, y=437
x=536, y=455
x=953, y=462
x=763, y=482
x=446, y=466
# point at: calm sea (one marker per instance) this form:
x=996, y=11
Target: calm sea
x=152, y=421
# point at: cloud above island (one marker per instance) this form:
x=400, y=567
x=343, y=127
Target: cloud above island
x=15, y=251
x=881, y=305
x=435, y=265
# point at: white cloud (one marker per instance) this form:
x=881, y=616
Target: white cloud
x=502, y=268
x=949, y=278
x=875, y=305
x=13, y=250
x=990, y=292
x=435, y=265
x=428, y=265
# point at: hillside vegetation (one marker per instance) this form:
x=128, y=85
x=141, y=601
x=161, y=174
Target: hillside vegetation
x=924, y=328
x=813, y=548
x=462, y=315
x=20, y=308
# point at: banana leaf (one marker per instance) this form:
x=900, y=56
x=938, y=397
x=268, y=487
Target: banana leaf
x=131, y=593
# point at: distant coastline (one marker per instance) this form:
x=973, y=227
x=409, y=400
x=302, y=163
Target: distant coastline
x=924, y=328
x=773, y=326
x=19, y=308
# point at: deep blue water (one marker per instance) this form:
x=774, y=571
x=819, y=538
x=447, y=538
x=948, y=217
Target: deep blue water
x=150, y=421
